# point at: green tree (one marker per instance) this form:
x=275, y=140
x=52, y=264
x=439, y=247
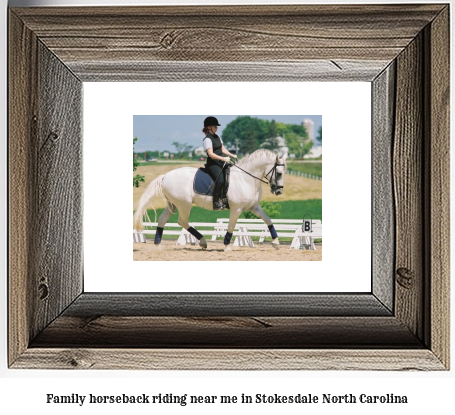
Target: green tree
x=271, y=143
x=272, y=129
x=298, y=145
x=138, y=178
x=298, y=129
x=319, y=137
x=248, y=131
x=248, y=134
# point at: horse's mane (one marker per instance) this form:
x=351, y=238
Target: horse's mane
x=258, y=154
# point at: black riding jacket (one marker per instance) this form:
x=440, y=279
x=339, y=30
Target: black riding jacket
x=216, y=148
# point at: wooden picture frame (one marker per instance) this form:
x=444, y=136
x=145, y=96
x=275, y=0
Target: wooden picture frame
x=403, y=324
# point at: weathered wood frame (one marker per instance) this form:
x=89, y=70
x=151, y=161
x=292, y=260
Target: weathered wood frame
x=403, y=50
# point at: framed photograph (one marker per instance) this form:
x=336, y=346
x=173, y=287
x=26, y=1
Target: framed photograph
x=270, y=160
x=301, y=196
x=400, y=323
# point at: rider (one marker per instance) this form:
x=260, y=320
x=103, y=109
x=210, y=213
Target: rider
x=215, y=149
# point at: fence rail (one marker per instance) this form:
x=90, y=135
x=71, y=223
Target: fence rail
x=243, y=233
x=301, y=174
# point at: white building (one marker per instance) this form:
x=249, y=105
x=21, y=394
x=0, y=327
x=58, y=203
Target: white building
x=199, y=151
x=309, y=125
x=315, y=152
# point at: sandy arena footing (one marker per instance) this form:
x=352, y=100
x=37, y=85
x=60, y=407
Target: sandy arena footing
x=169, y=251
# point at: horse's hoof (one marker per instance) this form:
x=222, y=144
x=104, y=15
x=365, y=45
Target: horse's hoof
x=203, y=243
x=276, y=243
x=158, y=247
x=227, y=248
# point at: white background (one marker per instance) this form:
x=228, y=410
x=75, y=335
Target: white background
x=24, y=391
x=108, y=127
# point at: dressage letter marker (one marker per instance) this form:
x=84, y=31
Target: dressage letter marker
x=306, y=227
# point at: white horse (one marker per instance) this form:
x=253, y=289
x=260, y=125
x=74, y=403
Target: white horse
x=244, y=193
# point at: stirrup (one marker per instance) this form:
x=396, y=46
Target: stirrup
x=225, y=203
x=217, y=206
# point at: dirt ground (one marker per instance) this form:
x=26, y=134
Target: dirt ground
x=169, y=251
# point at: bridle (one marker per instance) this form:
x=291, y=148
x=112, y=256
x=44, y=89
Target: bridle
x=272, y=172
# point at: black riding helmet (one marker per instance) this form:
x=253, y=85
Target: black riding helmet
x=209, y=121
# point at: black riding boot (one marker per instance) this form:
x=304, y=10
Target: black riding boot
x=216, y=196
x=224, y=201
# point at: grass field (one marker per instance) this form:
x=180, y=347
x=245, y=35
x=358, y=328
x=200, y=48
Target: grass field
x=310, y=168
x=291, y=209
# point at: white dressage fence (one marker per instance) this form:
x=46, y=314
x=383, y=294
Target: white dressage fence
x=302, y=233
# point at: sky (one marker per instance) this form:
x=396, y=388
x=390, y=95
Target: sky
x=157, y=132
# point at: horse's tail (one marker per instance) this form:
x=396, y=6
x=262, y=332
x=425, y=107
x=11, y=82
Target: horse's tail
x=152, y=190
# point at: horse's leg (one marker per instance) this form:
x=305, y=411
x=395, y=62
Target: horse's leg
x=233, y=216
x=258, y=211
x=162, y=220
x=184, y=216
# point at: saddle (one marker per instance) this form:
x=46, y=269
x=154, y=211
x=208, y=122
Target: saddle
x=203, y=183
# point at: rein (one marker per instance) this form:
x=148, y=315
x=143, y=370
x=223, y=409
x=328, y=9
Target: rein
x=263, y=181
x=272, y=170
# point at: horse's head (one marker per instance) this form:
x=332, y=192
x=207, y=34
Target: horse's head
x=276, y=176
